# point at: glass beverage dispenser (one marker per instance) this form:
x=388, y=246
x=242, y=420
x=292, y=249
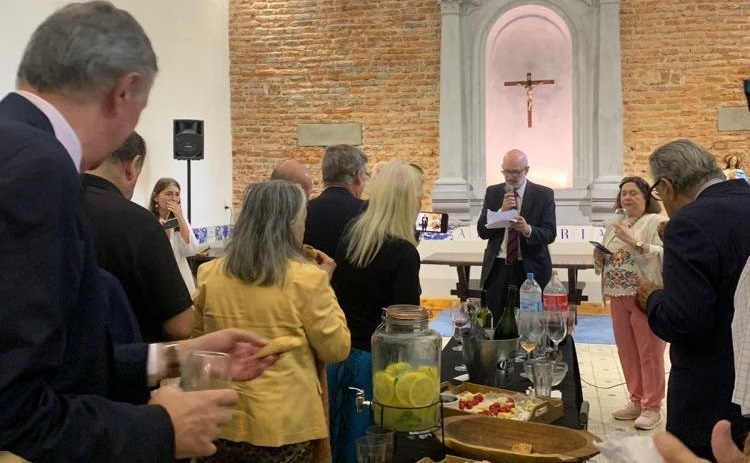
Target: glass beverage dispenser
x=406, y=370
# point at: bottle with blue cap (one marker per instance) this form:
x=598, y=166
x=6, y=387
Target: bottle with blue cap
x=530, y=295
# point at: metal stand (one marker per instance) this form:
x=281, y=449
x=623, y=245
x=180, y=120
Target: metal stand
x=190, y=201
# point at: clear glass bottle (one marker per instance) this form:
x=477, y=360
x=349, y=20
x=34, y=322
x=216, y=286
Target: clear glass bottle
x=406, y=370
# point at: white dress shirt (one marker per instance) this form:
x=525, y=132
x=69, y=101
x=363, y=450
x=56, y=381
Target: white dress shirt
x=741, y=341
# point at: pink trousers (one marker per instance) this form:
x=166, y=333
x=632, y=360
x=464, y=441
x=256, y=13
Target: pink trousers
x=641, y=353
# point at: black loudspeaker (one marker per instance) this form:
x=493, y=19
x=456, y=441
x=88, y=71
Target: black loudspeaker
x=188, y=139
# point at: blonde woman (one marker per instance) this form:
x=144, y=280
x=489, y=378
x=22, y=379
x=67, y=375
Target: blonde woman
x=166, y=205
x=265, y=284
x=377, y=266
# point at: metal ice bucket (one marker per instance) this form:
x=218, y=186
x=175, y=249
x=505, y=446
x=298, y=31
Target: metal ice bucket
x=489, y=362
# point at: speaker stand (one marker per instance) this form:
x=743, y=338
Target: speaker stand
x=189, y=198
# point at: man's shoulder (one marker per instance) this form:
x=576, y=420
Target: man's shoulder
x=111, y=206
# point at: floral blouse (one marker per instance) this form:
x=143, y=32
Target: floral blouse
x=620, y=270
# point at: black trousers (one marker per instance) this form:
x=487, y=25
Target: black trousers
x=497, y=283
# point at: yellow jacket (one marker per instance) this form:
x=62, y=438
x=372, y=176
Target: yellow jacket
x=284, y=405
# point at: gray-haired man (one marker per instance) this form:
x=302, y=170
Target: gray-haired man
x=706, y=245
x=83, y=81
x=344, y=175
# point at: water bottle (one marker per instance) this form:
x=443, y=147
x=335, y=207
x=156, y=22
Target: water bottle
x=530, y=295
x=555, y=297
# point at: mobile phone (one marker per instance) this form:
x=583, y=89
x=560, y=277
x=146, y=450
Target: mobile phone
x=171, y=223
x=431, y=222
x=600, y=247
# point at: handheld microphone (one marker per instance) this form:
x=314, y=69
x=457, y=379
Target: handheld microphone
x=509, y=189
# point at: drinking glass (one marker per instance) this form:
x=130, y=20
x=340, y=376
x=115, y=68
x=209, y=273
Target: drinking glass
x=530, y=331
x=619, y=215
x=371, y=448
x=389, y=439
x=205, y=370
x=542, y=371
x=557, y=322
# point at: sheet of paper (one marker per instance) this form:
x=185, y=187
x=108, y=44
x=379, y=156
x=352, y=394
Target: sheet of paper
x=500, y=219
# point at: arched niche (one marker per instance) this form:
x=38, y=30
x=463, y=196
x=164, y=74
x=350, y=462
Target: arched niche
x=596, y=101
x=533, y=40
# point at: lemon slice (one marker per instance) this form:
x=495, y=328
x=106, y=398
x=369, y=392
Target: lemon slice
x=423, y=392
x=416, y=389
x=432, y=372
x=398, y=368
x=383, y=387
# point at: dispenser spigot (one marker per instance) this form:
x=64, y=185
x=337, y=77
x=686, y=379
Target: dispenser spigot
x=359, y=399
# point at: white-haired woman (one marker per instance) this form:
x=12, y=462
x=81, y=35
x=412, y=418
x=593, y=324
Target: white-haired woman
x=266, y=285
x=377, y=266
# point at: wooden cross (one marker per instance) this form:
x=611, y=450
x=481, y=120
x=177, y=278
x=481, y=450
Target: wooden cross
x=529, y=84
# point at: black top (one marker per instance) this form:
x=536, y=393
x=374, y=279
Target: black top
x=328, y=215
x=131, y=245
x=391, y=278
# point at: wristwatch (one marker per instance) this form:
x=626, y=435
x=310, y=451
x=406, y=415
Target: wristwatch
x=170, y=360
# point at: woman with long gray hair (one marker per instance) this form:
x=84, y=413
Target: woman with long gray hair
x=266, y=284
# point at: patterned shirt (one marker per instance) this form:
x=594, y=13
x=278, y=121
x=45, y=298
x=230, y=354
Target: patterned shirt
x=620, y=271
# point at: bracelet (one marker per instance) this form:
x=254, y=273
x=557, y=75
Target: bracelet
x=170, y=366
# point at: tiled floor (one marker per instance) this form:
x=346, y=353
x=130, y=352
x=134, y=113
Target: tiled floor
x=604, y=389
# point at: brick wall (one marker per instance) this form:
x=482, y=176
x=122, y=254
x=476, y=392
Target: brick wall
x=326, y=61
x=317, y=61
x=681, y=61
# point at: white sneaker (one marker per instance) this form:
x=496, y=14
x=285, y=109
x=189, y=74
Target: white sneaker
x=630, y=411
x=649, y=419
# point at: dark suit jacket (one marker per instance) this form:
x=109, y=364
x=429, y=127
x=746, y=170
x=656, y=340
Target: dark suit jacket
x=58, y=366
x=706, y=244
x=328, y=215
x=538, y=208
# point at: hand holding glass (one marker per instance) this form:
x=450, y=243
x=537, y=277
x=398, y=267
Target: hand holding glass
x=619, y=216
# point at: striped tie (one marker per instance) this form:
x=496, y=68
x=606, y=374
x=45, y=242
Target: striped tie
x=511, y=256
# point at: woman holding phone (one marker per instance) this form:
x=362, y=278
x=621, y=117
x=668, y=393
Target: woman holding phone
x=640, y=351
x=165, y=203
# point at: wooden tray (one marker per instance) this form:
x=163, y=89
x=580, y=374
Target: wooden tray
x=547, y=411
x=487, y=438
x=448, y=459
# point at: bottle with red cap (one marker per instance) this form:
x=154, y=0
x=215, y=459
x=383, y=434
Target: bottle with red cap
x=555, y=296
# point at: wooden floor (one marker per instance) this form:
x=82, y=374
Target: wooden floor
x=586, y=308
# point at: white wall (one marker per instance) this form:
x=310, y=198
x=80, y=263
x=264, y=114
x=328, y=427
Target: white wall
x=191, y=41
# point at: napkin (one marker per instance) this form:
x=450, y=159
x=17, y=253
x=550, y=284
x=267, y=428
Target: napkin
x=631, y=449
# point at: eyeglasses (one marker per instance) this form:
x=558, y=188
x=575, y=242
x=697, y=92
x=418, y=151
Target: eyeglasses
x=652, y=191
x=507, y=172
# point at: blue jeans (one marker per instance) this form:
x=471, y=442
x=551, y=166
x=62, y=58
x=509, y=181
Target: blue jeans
x=348, y=425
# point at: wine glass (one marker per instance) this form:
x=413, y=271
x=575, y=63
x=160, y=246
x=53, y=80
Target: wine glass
x=571, y=324
x=530, y=331
x=556, y=322
x=460, y=317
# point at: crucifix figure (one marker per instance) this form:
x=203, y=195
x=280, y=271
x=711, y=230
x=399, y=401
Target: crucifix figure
x=529, y=84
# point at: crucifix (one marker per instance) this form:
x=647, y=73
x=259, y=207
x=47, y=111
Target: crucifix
x=529, y=84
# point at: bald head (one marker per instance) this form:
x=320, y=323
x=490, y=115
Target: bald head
x=292, y=171
x=515, y=166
